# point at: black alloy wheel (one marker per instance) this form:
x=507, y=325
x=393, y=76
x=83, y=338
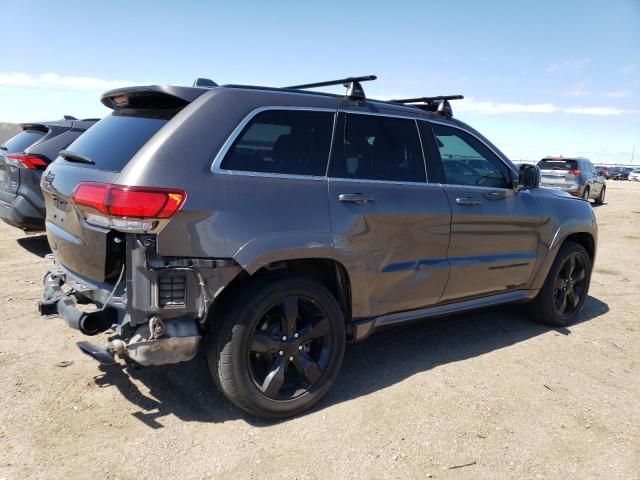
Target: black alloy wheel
x=290, y=348
x=278, y=347
x=570, y=285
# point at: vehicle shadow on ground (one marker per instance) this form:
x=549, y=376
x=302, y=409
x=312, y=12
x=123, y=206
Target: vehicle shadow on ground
x=36, y=244
x=187, y=391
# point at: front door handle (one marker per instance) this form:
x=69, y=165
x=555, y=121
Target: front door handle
x=495, y=195
x=468, y=201
x=357, y=198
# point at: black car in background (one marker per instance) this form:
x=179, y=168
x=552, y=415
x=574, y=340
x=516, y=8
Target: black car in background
x=23, y=158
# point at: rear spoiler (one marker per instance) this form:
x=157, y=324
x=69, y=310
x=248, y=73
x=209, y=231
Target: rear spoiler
x=151, y=96
x=41, y=127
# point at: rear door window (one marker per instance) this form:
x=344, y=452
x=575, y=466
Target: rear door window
x=115, y=139
x=22, y=141
x=292, y=142
x=377, y=147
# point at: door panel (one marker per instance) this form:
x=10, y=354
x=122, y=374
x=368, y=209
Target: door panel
x=494, y=228
x=391, y=225
x=396, y=242
x=494, y=240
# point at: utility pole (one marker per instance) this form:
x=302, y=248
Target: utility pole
x=633, y=153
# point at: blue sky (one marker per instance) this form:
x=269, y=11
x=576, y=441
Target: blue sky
x=543, y=77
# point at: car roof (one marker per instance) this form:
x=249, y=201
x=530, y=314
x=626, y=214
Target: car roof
x=61, y=124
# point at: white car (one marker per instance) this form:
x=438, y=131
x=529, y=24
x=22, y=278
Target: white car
x=635, y=175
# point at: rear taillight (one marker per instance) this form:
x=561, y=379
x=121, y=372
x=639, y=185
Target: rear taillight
x=119, y=204
x=32, y=162
x=575, y=172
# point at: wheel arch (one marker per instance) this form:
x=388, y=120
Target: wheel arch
x=585, y=237
x=327, y=271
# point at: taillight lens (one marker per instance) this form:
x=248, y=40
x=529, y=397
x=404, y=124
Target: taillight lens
x=32, y=162
x=575, y=172
x=131, y=202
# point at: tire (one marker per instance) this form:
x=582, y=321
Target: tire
x=585, y=194
x=600, y=199
x=547, y=306
x=252, y=364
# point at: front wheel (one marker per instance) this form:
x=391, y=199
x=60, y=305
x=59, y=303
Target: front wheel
x=279, y=349
x=565, y=290
x=600, y=199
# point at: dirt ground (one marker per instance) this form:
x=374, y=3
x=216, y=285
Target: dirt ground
x=482, y=395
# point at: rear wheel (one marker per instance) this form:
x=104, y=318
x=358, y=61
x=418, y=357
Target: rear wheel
x=565, y=290
x=600, y=199
x=279, y=350
x=585, y=195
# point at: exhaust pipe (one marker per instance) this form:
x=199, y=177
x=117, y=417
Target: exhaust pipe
x=90, y=323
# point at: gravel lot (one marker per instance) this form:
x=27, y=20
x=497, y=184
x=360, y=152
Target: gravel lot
x=482, y=395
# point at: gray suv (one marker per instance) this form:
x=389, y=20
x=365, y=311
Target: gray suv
x=273, y=225
x=576, y=176
x=23, y=158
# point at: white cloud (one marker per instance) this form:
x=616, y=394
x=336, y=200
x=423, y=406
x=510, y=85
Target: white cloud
x=575, y=65
x=53, y=80
x=616, y=94
x=627, y=68
x=601, y=111
x=471, y=105
x=578, y=90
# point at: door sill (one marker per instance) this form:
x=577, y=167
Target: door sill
x=363, y=328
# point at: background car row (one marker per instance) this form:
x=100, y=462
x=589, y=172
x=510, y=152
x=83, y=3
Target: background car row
x=23, y=158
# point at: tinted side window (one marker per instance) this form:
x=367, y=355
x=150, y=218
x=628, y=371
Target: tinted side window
x=466, y=161
x=22, y=141
x=380, y=148
x=294, y=142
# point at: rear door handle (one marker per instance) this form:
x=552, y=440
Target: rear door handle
x=468, y=201
x=357, y=198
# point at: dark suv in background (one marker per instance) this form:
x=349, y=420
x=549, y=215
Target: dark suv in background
x=276, y=224
x=576, y=176
x=23, y=158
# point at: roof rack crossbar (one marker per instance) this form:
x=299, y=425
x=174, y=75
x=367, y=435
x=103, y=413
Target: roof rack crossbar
x=428, y=99
x=342, y=81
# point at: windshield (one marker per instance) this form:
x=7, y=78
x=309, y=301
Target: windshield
x=558, y=165
x=115, y=139
x=22, y=141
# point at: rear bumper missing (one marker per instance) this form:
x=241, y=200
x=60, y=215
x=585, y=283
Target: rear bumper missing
x=158, y=342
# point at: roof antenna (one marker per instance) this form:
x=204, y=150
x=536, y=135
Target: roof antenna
x=204, y=83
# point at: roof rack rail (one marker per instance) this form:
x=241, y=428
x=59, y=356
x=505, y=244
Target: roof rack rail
x=354, y=89
x=428, y=99
x=439, y=104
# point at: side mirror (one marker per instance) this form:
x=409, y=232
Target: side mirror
x=529, y=177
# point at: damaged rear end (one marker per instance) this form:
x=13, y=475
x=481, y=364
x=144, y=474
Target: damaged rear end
x=103, y=231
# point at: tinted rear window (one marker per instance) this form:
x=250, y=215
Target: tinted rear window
x=115, y=139
x=22, y=141
x=558, y=165
x=293, y=142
